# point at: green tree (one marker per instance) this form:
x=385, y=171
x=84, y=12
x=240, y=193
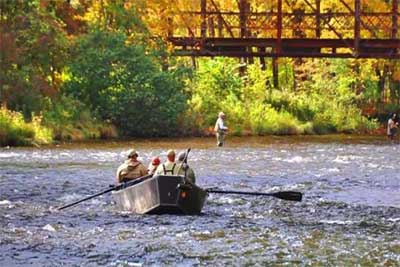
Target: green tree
x=123, y=85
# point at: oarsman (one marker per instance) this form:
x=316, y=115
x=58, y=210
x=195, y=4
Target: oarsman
x=153, y=165
x=131, y=168
x=184, y=168
x=392, y=126
x=169, y=167
x=220, y=129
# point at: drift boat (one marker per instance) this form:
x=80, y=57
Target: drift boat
x=161, y=194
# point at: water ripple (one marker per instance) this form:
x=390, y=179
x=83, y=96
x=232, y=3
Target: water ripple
x=349, y=215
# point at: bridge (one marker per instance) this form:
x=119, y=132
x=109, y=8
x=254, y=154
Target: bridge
x=284, y=28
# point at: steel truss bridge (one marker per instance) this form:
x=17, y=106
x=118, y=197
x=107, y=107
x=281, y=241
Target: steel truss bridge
x=283, y=28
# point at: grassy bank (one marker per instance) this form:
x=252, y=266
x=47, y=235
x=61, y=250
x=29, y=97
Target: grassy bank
x=53, y=126
x=14, y=131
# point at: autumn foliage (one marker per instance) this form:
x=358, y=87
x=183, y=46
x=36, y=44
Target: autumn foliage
x=111, y=58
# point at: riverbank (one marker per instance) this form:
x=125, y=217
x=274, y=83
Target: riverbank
x=207, y=142
x=14, y=131
x=378, y=136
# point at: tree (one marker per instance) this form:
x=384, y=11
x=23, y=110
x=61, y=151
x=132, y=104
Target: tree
x=121, y=84
x=34, y=46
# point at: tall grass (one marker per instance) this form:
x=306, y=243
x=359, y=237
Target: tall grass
x=15, y=131
x=71, y=120
x=64, y=120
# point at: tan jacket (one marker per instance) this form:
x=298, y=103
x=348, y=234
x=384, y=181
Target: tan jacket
x=130, y=170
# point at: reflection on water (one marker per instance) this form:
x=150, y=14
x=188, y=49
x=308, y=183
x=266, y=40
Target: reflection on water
x=350, y=214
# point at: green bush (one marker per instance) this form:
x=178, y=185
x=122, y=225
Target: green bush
x=215, y=87
x=325, y=104
x=266, y=120
x=122, y=84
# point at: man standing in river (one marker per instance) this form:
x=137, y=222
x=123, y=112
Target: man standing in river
x=392, y=126
x=220, y=129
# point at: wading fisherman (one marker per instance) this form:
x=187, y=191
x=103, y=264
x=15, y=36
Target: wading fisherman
x=220, y=129
x=169, y=167
x=185, y=170
x=392, y=126
x=131, y=168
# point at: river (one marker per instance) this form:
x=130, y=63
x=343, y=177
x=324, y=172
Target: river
x=349, y=216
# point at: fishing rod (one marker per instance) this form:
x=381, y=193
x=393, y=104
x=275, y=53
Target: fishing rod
x=114, y=188
x=285, y=195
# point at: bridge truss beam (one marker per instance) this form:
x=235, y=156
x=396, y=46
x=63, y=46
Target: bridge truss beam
x=302, y=30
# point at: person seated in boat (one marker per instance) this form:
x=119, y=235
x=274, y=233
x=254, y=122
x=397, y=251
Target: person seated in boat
x=184, y=168
x=169, y=167
x=131, y=169
x=155, y=162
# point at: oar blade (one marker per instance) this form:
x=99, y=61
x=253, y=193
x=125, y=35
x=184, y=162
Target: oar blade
x=289, y=195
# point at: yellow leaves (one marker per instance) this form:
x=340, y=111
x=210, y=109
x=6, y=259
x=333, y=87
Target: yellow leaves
x=94, y=12
x=166, y=16
x=396, y=75
x=375, y=6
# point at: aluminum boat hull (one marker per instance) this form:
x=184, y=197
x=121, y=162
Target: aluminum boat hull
x=161, y=194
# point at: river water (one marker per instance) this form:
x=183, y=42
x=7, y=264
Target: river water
x=349, y=216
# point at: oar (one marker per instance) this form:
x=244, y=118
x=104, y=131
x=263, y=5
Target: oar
x=286, y=195
x=114, y=188
x=90, y=197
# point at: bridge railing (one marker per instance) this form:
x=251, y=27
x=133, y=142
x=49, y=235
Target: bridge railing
x=279, y=19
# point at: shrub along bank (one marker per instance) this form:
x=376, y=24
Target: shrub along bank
x=14, y=131
x=324, y=105
x=133, y=97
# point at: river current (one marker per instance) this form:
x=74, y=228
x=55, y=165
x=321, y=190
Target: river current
x=349, y=216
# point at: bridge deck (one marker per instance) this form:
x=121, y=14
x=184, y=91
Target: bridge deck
x=270, y=47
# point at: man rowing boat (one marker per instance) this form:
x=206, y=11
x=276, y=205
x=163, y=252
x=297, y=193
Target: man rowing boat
x=131, y=169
